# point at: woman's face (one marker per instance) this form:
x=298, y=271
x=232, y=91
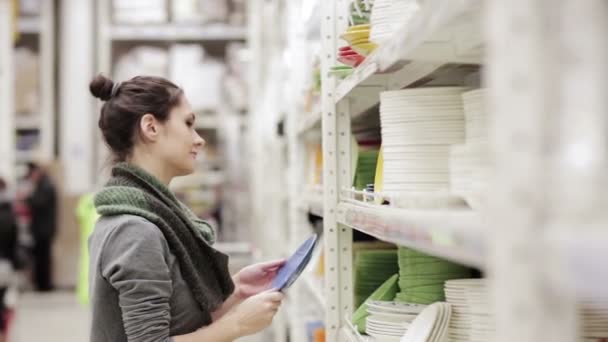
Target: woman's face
x=179, y=143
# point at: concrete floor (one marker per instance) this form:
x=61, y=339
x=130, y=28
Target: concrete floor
x=57, y=317
x=50, y=317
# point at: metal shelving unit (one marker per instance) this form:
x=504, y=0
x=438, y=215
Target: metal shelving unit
x=441, y=33
x=172, y=33
x=7, y=110
x=41, y=31
x=447, y=33
x=543, y=65
x=44, y=27
x=457, y=235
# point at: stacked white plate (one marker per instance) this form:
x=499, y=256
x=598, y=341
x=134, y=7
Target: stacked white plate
x=388, y=16
x=594, y=318
x=471, y=320
x=418, y=127
x=388, y=321
x=469, y=162
x=431, y=325
x=461, y=171
x=475, y=115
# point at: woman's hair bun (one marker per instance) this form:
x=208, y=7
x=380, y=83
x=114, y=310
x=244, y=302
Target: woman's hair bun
x=101, y=87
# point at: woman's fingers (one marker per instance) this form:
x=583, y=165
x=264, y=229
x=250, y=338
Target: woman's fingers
x=273, y=264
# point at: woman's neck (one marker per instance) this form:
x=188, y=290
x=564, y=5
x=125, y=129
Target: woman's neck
x=153, y=166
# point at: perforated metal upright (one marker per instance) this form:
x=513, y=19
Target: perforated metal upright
x=7, y=97
x=47, y=80
x=336, y=173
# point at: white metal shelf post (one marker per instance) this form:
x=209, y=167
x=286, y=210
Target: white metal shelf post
x=345, y=233
x=47, y=80
x=7, y=110
x=77, y=123
x=330, y=195
x=336, y=149
x=103, y=65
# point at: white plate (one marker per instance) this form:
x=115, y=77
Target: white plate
x=387, y=316
x=386, y=328
x=383, y=338
x=384, y=331
x=396, y=307
x=426, y=126
x=424, y=91
x=397, y=110
x=441, y=327
x=421, y=328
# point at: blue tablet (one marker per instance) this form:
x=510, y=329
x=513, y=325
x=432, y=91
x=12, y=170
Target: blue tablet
x=295, y=265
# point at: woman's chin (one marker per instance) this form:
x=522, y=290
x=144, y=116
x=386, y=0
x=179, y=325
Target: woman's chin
x=186, y=169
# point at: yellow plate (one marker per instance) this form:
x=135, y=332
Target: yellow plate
x=359, y=27
x=364, y=49
x=358, y=42
x=355, y=35
x=379, y=179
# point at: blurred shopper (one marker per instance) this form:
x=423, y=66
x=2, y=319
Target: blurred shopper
x=42, y=203
x=154, y=273
x=8, y=251
x=8, y=227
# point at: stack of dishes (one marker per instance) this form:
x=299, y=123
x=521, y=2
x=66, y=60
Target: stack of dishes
x=358, y=38
x=372, y=268
x=594, y=318
x=350, y=57
x=366, y=168
x=388, y=16
x=460, y=170
x=388, y=321
x=475, y=115
x=386, y=292
x=341, y=71
x=422, y=277
x=469, y=162
x=360, y=12
x=471, y=320
x=431, y=325
x=418, y=128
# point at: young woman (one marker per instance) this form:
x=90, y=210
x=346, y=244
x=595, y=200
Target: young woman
x=154, y=273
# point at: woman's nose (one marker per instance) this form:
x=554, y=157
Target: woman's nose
x=199, y=141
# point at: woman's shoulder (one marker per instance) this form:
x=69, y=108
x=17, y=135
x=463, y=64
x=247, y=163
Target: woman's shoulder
x=126, y=230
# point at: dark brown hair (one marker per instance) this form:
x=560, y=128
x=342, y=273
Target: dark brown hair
x=126, y=103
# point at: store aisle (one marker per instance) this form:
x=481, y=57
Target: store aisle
x=51, y=317
x=57, y=317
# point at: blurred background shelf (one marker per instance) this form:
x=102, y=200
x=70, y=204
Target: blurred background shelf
x=176, y=32
x=29, y=25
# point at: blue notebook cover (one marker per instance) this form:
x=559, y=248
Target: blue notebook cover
x=295, y=265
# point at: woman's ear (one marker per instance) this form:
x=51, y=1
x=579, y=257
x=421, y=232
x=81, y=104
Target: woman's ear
x=148, y=126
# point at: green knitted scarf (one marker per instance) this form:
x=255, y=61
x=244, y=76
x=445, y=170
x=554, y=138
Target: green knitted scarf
x=133, y=191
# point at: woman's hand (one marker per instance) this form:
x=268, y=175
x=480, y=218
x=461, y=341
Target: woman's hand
x=255, y=313
x=256, y=278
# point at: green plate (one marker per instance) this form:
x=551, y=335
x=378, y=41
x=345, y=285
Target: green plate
x=386, y=292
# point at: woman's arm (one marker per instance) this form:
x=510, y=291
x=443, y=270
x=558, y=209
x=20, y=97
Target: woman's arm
x=247, y=318
x=232, y=301
x=222, y=330
x=134, y=261
x=250, y=281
